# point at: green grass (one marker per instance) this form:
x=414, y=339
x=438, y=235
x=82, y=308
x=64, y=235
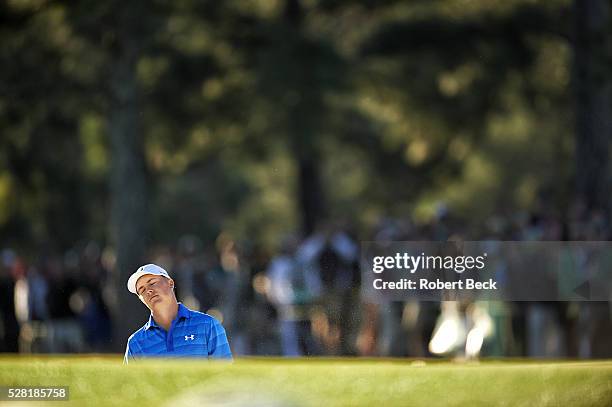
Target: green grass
x=104, y=381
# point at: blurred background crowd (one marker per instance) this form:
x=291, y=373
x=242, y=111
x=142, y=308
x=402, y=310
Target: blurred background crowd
x=249, y=146
x=305, y=298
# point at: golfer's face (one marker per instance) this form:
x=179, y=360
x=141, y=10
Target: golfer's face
x=154, y=289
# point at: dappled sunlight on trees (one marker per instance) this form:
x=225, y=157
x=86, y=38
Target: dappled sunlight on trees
x=267, y=117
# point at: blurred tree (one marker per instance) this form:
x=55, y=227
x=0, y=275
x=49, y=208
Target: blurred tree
x=130, y=34
x=40, y=193
x=445, y=79
x=297, y=71
x=593, y=87
x=382, y=107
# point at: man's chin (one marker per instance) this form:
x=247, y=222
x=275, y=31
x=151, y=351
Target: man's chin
x=156, y=300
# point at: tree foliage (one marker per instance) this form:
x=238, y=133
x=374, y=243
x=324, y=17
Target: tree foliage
x=268, y=117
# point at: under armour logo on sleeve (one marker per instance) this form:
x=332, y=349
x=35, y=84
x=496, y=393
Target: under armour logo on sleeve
x=190, y=337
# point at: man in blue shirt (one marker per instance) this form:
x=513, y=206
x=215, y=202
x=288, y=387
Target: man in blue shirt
x=173, y=330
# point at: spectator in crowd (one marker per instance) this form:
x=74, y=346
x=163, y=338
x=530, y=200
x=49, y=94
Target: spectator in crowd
x=9, y=332
x=293, y=290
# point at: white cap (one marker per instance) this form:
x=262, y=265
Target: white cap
x=142, y=270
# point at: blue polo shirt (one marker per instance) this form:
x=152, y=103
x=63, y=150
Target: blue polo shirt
x=192, y=334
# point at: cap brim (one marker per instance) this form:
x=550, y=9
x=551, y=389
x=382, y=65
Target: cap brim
x=152, y=269
x=131, y=284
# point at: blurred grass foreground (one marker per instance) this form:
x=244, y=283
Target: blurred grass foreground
x=104, y=381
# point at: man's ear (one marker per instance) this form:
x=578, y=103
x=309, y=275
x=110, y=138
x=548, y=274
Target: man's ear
x=171, y=282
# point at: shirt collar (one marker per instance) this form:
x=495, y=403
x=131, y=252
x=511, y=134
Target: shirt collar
x=183, y=313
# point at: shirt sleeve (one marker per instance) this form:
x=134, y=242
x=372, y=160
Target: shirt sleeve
x=218, y=345
x=128, y=354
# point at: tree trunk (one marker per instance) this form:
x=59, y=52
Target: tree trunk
x=310, y=193
x=593, y=87
x=129, y=195
x=303, y=129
